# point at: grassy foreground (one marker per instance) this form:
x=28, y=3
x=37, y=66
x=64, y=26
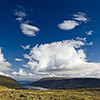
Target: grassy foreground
x=80, y=94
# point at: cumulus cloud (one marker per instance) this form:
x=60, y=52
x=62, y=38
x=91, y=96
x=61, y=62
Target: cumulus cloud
x=26, y=47
x=29, y=30
x=68, y=25
x=1, y=73
x=4, y=65
x=80, y=17
x=64, y=57
x=17, y=59
x=21, y=72
x=58, y=59
x=89, y=32
x=23, y=75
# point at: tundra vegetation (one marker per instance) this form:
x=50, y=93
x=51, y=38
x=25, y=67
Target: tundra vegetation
x=11, y=90
x=68, y=94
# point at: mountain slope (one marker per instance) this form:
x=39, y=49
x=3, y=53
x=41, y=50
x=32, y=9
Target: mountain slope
x=67, y=83
x=9, y=82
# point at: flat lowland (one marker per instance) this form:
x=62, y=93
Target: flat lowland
x=26, y=94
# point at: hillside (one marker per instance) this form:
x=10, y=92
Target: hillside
x=9, y=82
x=67, y=83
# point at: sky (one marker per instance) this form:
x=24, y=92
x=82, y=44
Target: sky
x=49, y=38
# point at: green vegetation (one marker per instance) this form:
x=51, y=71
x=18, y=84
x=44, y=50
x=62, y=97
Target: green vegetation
x=75, y=94
x=9, y=82
x=9, y=91
x=67, y=83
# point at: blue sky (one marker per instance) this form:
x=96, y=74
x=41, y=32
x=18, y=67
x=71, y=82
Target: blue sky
x=35, y=36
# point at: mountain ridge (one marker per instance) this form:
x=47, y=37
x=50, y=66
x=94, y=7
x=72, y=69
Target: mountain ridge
x=67, y=83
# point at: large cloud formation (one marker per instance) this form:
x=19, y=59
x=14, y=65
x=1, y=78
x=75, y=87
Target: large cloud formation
x=64, y=57
x=4, y=65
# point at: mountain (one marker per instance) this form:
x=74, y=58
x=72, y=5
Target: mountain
x=67, y=83
x=9, y=82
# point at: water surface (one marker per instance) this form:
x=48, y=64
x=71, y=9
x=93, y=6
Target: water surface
x=25, y=85
x=34, y=87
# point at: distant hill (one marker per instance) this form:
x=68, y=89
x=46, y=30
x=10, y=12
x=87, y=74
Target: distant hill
x=67, y=83
x=9, y=82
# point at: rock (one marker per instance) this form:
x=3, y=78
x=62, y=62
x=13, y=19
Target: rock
x=22, y=95
x=51, y=97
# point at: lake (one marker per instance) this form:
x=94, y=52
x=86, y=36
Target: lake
x=25, y=85
x=34, y=87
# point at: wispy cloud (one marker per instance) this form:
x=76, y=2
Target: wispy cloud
x=19, y=13
x=28, y=30
x=89, y=32
x=26, y=47
x=91, y=43
x=17, y=59
x=80, y=17
x=81, y=39
x=19, y=19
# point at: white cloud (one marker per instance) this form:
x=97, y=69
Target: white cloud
x=59, y=57
x=19, y=19
x=4, y=65
x=29, y=30
x=29, y=76
x=76, y=21
x=17, y=59
x=27, y=56
x=81, y=39
x=23, y=75
x=89, y=32
x=1, y=73
x=80, y=17
x=26, y=47
x=64, y=57
x=68, y=25
x=19, y=13
x=91, y=43
x=21, y=72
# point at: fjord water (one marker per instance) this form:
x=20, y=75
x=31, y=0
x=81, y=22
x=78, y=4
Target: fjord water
x=25, y=84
